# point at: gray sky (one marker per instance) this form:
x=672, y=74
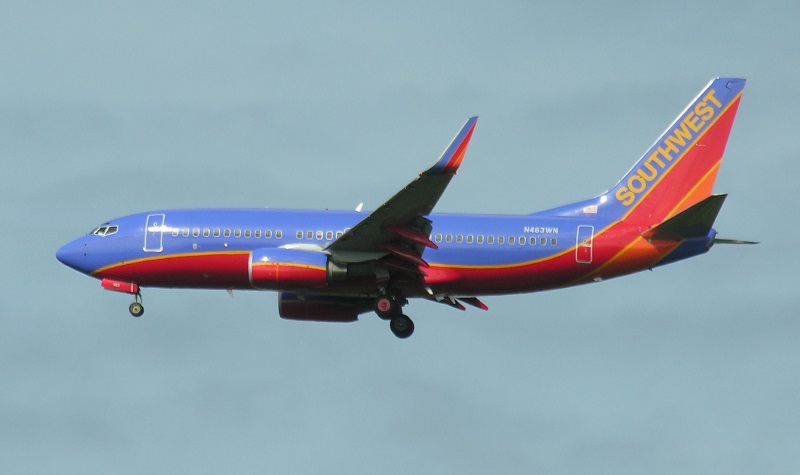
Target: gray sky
x=109, y=109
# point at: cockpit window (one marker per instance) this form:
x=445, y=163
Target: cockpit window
x=105, y=230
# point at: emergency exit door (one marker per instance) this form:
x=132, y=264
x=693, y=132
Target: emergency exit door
x=154, y=233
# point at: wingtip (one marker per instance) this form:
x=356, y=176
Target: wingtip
x=451, y=159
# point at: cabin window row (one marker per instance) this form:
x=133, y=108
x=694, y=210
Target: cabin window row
x=219, y=232
x=318, y=235
x=491, y=239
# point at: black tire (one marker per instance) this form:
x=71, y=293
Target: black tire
x=402, y=326
x=136, y=309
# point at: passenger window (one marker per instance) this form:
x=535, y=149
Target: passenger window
x=469, y=238
x=521, y=240
x=227, y=232
x=511, y=239
x=489, y=239
x=175, y=232
x=299, y=234
x=438, y=238
x=257, y=233
x=206, y=232
x=553, y=241
x=247, y=233
x=309, y=234
x=237, y=233
x=480, y=238
x=216, y=232
x=185, y=232
x=196, y=232
x=319, y=235
x=329, y=235
x=448, y=238
x=459, y=238
x=501, y=239
x=278, y=234
x=532, y=241
x=339, y=234
x=543, y=241
x=268, y=233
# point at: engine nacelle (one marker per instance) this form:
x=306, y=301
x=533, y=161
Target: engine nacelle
x=318, y=308
x=275, y=268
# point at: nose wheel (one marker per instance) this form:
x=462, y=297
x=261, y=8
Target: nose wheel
x=136, y=308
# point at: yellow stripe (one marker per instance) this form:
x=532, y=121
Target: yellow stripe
x=505, y=266
x=289, y=264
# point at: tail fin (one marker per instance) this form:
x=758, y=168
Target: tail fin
x=679, y=169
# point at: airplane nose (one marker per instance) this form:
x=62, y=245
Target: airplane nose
x=72, y=255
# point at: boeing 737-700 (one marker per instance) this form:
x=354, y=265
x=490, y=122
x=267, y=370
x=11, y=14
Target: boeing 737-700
x=332, y=266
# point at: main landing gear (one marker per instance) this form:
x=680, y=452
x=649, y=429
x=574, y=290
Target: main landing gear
x=389, y=307
x=401, y=326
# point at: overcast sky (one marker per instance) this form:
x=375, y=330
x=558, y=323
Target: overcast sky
x=111, y=108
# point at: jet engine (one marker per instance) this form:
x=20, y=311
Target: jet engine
x=322, y=308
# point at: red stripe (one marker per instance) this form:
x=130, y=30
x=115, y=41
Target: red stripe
x=200, y=271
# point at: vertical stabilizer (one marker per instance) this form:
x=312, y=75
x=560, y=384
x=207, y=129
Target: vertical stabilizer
x=679, y=169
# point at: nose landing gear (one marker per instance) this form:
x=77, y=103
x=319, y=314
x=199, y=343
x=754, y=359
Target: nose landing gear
x=136, y=308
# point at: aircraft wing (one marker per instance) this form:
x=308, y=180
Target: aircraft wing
x=399, y=227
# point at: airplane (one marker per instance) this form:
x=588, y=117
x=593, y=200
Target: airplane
x=333, y=266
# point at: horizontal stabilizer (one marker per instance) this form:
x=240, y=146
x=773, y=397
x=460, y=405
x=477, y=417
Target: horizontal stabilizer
x=733, y=241
x=693, y=222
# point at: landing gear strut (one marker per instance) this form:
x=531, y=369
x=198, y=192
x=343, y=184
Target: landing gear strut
x=136, y=308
